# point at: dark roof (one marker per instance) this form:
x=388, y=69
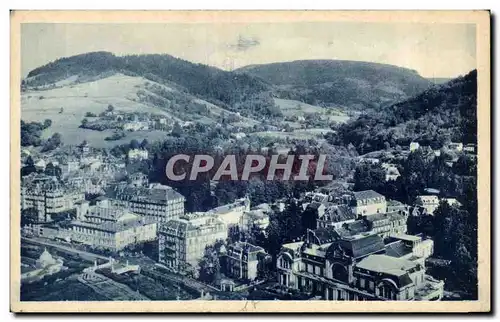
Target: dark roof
x=397, y=249
x=354, y=228
x=362, y=246
x=159, y=194
x=339, y=213
x=325, y=235
x=367, y=194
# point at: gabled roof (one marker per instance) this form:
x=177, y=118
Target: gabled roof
x=367, y=194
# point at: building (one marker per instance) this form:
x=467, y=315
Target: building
x=243, y=261
x=429, y=202
x=414, y=146
x=368, y=202
x=254, y=219
x=138, y=154
x=48, y=196
x=394, y=205
x=391, y=171
x=387, y=224
x=182, y=242
x=156, y=202
x=470, y=148
x=45, y=265
x=357, y=267
x=136, y=126
x=457, y=147
x=108, y=226
x=231, y=213
x=336, y=216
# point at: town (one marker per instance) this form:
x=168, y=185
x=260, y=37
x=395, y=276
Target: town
x=93, y=222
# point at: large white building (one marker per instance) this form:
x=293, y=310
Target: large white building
x=368, y=202
x=358, y=267
x=156, y=202
x=183, y=241
x=108, y=226
x=48, y=196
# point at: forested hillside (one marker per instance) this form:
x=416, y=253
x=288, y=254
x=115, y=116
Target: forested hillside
x=442, y=113
x=338, y=82
x=352, y=85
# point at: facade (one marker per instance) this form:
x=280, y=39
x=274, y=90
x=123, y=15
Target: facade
x=243, y=261
x=232, y=213
x=257, y=219
x=156, y=202
x=183, y=241
x=48, y=196
x=391, y=171
x=356, y=267
x=430, y=203
x=387, y=224
x=368, y=202
x=109, y=226
x=138, y=154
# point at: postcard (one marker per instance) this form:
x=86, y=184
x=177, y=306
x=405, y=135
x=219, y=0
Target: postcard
x=250, y=161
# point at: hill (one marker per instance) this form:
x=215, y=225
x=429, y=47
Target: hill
x=338, y=82
x=69, y=100
x=442, y=113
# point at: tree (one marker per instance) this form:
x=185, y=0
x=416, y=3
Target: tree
x=369, y=177
x=110, y=108
x=177, y=130
x=85, y=122
x=134, y=144
x=53, y=142
x=209, y=265
x=47, y=123
x=144, y=144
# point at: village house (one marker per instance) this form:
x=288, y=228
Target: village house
x=391, y=171
x=429, y=202
x=138, y=154
x=254, y=219
x=457, y=147
x=414, y=146
x=368, y=202
x=243, y=261
x=335, y=216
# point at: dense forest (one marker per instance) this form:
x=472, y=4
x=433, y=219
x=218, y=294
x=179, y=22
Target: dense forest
x=339, y=82
x=356, y=85
x=444, y=113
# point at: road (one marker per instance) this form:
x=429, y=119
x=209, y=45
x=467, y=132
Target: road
x=44, y=242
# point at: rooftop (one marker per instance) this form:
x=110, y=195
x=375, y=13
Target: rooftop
x=386, y=264
x=367, y=194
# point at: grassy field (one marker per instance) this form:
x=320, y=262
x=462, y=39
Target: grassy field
x=292, y=107
x=296, y=134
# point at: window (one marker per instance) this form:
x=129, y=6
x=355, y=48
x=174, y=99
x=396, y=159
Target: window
x=362, y=282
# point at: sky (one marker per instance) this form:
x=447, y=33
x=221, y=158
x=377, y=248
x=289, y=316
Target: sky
x=433, y=50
